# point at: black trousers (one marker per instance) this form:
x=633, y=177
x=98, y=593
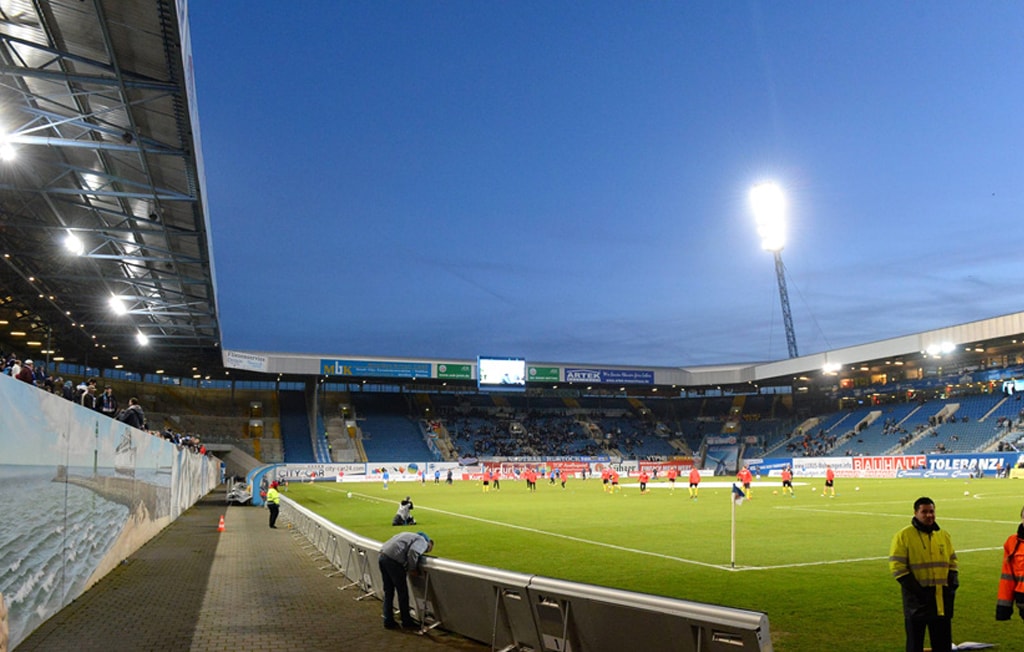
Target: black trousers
x=393, y=575
x=274, y=508
x=940, y=629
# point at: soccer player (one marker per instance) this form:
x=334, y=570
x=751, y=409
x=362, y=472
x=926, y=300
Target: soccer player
x=672, y=474
x=830, y=482
x=694, y=482
x=745, y=477
x=614, y=477
x=606, y=478
x=643, y=481
x=531, y=479
x=787, y=482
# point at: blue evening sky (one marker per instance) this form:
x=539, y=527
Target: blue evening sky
x=567, y=181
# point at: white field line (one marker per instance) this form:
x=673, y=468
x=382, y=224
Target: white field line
x=550, y=534
x=798, y=508
x=846, y=561
x=659, y=555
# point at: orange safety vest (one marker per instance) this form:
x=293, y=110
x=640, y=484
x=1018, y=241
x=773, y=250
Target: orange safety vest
x=1012, y=578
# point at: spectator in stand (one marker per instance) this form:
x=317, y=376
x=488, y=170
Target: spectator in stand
x=106, y=403
x=88, y=398
x=133, y=414
x=27, y=373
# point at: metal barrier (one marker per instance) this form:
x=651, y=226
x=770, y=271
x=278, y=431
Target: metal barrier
x=516, y=611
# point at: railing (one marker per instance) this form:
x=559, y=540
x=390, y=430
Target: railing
x=516, y=611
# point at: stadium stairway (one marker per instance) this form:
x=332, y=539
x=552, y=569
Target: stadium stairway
x=295, y=428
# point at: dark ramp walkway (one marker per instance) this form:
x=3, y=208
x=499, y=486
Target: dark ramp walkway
x=247, y=588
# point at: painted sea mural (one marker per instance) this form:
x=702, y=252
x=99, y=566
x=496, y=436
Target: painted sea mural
x=81, y=493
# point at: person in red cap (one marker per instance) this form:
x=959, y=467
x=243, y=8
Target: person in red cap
x=273, y=504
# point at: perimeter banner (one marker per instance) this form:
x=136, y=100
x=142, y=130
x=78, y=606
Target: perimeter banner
x=375, y=368
x=595, y=375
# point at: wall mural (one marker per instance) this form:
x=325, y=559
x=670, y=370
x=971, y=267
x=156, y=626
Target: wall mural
x=81, y=492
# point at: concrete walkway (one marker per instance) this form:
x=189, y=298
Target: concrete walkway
x=247, y=588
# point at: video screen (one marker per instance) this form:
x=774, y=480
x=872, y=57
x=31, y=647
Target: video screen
x=501, y=374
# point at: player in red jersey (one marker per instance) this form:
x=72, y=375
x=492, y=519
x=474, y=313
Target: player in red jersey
x=694, y=483
x=787, y=482
x=746, y=477
x=830, y=482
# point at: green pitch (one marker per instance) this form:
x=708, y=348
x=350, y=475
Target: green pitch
x=817, y=566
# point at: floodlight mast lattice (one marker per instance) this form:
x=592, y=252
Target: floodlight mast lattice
x=769, y=205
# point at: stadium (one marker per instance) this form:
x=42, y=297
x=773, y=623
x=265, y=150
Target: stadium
x=109, y=199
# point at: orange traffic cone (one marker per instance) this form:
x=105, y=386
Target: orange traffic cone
x=220, y=526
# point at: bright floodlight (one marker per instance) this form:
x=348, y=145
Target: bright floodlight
x=117, y=305
x=769, y=205
x=141, y=338
x=942, y=348
x=74, y=244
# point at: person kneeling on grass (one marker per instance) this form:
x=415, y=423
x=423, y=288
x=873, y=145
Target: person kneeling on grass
x=403, y=516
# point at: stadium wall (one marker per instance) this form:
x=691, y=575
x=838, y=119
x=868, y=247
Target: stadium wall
x=82, y=492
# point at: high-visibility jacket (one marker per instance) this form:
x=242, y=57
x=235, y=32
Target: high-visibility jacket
x=1012, y=578
x=930, y=558
x=273, y=497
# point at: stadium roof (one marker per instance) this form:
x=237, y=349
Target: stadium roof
x=96, y=106
x=996, y=342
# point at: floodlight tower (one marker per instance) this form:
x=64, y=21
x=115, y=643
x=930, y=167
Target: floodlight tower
x=769, y=205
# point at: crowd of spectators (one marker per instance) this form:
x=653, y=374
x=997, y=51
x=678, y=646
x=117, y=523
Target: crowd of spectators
x=87, y=395
x=509, y=435
x=817, y=443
